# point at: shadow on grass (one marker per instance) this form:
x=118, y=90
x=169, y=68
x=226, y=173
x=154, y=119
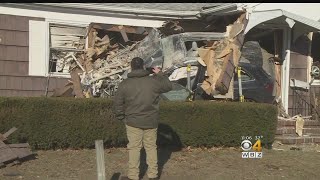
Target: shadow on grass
x=115, y=176
x=19, y=161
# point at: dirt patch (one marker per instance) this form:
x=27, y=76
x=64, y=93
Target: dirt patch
x=216, y=163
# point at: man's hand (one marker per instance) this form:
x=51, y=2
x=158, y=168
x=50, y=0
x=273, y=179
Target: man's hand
x=156, y=70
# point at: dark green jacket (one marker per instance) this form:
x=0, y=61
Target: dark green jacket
x=137, y=98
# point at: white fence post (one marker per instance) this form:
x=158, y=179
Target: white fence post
x=100, y=160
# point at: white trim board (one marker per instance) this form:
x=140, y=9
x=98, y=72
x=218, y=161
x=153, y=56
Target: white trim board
x=37, y=48
x=79, y=18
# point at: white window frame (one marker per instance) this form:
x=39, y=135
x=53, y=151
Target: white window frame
x=62, y=22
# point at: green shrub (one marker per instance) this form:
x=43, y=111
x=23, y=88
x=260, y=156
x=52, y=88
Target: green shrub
x=50, y=123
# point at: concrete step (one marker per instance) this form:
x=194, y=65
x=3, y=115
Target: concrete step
x=307, y=123
x=290, y=139
x=292, y=130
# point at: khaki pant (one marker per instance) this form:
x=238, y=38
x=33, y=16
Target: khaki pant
x=139, y=138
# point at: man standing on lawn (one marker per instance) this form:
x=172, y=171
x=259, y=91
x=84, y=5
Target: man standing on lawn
x=137, y=103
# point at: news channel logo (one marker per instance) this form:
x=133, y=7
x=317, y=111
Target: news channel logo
x=251, y=151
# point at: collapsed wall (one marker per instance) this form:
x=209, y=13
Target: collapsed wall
x=98, y=70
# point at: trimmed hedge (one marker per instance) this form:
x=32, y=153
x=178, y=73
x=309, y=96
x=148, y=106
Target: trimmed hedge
x=50, y=123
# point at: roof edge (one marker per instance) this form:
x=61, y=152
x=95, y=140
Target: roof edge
x=129, y=12
x=222, y=9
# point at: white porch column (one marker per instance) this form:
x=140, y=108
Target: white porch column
x=286, y=64
x=310, y=59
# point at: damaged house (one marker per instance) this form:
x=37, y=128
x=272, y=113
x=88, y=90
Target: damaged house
x=84, y=50
x=81, y=48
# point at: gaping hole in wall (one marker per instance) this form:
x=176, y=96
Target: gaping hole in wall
x=106, y=61
x=111, y=48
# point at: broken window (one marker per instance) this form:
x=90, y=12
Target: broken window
x=65, y=42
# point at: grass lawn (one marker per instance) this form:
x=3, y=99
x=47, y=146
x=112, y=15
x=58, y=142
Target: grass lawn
x=215, y=163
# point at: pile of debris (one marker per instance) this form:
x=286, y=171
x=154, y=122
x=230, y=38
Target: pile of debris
x=108, y=64
x=12, y=153
x=97, y=70
x=222, y=57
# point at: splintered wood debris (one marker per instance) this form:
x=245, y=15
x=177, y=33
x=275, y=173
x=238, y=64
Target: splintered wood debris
x=222, y=57
x=171, y=27
x=12, y=153
x=98, y=57
x=65, y=43
x=95, y=56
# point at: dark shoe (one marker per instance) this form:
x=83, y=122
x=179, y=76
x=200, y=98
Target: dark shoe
x=125, y=178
